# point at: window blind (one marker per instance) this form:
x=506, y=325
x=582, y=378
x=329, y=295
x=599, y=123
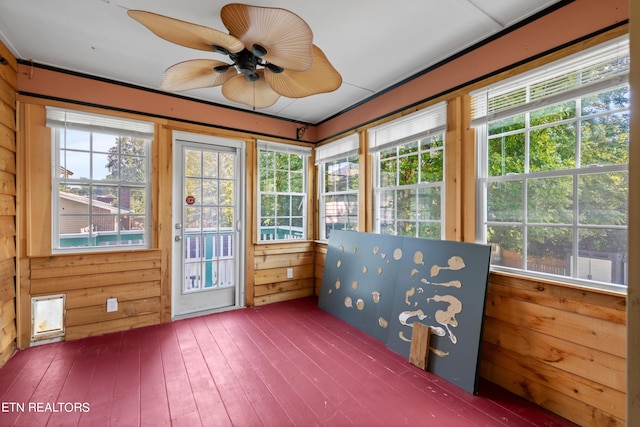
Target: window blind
x=343, y=147
x=430, y=121
x=578, y=75
x=284, y=148
x=76, y=120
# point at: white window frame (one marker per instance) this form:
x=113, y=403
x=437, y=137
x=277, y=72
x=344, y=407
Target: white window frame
x=338, y=152
x=413, y=128
x=304, y=153
x=61, y=120
x=485, y=111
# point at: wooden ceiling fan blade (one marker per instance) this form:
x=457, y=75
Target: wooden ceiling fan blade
x=186, y=33
x=256, y=94
x=322, y=77
x=195, y=74
x=286, y=37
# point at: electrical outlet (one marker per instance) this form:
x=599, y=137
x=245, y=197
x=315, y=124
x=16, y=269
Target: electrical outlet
x=112, y=305
x=289, y=273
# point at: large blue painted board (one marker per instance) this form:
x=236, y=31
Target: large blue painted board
x=383, y=284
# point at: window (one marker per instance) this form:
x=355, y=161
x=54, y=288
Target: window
x=100, y=181
x=553, y=151
x=409, y=174
x=282, y=191
x=338, y=184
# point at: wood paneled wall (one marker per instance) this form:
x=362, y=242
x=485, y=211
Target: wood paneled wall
x=271, y=262
x=563, y=348
x=320, y=258
x=89, y=279
x=8, y=87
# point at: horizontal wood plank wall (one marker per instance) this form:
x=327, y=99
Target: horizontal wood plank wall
x=8, y=87
x=561, y=347
x=321, y=257
x=271, y=262
x=133, y=278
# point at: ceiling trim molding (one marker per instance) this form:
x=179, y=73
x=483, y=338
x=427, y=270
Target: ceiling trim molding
x=154, y=91
x=245, y=132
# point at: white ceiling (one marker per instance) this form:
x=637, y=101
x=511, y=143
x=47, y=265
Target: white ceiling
x=373, y=44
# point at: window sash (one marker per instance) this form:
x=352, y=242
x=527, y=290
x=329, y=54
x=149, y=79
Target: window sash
x=524, y=221
x=116, y=239
x=417, y=186
x=325, y=193
x=304, y=153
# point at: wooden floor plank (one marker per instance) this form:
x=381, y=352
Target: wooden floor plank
x=23, y=374
x=206, y=395
x=341, y=397
x=304, y=355
x=366, y=384
x=293, y=391
x=282, y=364
x=125, y=409
x=182, y=404
x=154, y=404
x=106, y=352
x=45, y=406
x=74, y=391
x=233, y=398
x=47, y=392
x=261, y=406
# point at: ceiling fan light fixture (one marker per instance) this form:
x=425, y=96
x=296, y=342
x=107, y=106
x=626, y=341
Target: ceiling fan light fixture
x=221, y=69
x=220, y=49
x=273, y=68
x=246, y=68
x=258, y=50
x=253, y=77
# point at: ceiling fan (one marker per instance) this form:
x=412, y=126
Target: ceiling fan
x=271, y=52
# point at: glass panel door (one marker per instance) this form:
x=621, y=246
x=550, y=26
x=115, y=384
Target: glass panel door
x=208, y=253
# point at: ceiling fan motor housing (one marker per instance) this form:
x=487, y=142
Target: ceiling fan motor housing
x=246, y=62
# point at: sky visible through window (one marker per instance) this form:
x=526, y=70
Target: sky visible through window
x=79, y=162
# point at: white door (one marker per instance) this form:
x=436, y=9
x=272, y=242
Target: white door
x=208, y=217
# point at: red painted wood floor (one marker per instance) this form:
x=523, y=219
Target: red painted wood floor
x=283, y=364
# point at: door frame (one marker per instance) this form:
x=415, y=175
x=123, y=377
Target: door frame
x=176, y=262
